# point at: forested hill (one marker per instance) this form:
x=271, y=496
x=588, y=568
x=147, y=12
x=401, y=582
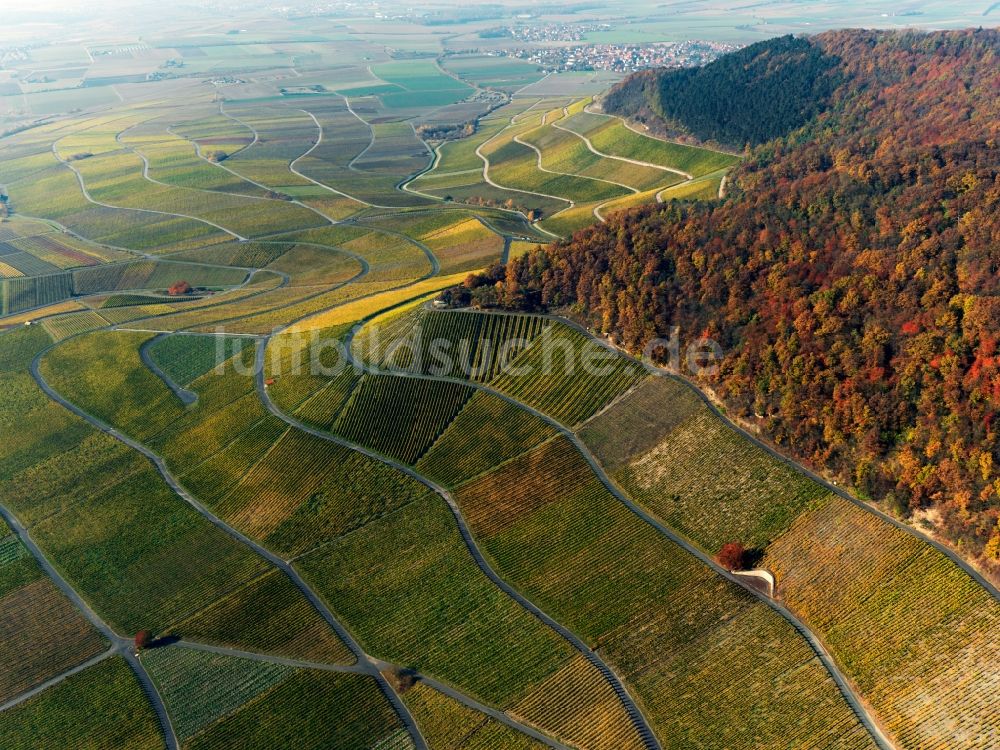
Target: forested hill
x=852, y=277
x=761, y=92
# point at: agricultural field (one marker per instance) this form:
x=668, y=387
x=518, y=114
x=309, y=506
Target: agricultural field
x=41, y=633
x=471, y=445
x=672, y=454
x=186, y=358
x=475, y=346
x=552, y=528
x=422, y=82
x=458, y=240
x=102, y=706
x=609, y=135
x=488, y=72
x=218, y=701
x=236, y=415
x=380, y=597
x=446, y=723
x=287, y=626
x=567, y=376
x=929, y=613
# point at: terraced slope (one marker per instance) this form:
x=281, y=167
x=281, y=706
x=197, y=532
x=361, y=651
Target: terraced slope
x=230, y=702
x=355, y=522
x=103, y=706
x=697, y=474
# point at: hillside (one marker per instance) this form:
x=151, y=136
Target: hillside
x=851, y=277
x=748, y=97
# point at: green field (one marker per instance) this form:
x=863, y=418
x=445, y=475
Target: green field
x=609, y=135
x=489, y=72
x=376, y=579
x=285, y=516
x=676, y=458
x=103, y=706
x=228, y=702
x=553, y=529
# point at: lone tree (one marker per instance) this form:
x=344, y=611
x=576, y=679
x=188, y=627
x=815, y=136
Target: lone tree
x=142, y=640
x=178, y=288
x=733, y=556
x=402, y=679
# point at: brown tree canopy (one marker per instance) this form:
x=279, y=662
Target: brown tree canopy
x=852, y=278
x=733, y=556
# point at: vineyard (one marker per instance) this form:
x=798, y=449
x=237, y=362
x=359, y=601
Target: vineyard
x=481, y=526
x=473, y=444
x=150, y=274
x=104, y=373
x=186, y=358
x=682, y=463
x=64, y=326
x=301, y=366
x=448, y=725
x=319, y=710
x=200, y=688
x=639, y=421
x=407, y=587
x=41, y=633
x=568, y=376
x=555, y=532
x=473, y=346
x=670, y=453
x=306, y=491
x=140, y=556
x=894, y=638
x=610, y=136
x=283, y=623
x=25, y=293
x=400, y=417
x=101, y=707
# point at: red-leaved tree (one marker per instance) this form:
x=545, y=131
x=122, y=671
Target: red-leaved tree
x=142, y=640
x=733, y=556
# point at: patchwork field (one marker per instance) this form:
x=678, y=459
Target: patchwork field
x=103, y=706
x=228, y=702
x=236, y=416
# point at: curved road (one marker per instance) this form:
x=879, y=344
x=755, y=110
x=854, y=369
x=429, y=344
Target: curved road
x=846, y=688
x=87, y=195
x=160, y=464
x=593, y=150
x=186, y=397
x=774, y=453
x=489, y=181
x=635, y=714
x=121, y=645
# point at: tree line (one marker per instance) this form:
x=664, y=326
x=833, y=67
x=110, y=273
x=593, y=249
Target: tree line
x=852, y=277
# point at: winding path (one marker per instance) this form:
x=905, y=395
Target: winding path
x=120, y=645
x=638, y=719
x=382, y=666
x=846, y=688
x=41, y=688
x=593, y=150
x=89, y=197
x=186, y=397
x=542, y=168
x=791, y=463
x=161, y=466
x=489, y=181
